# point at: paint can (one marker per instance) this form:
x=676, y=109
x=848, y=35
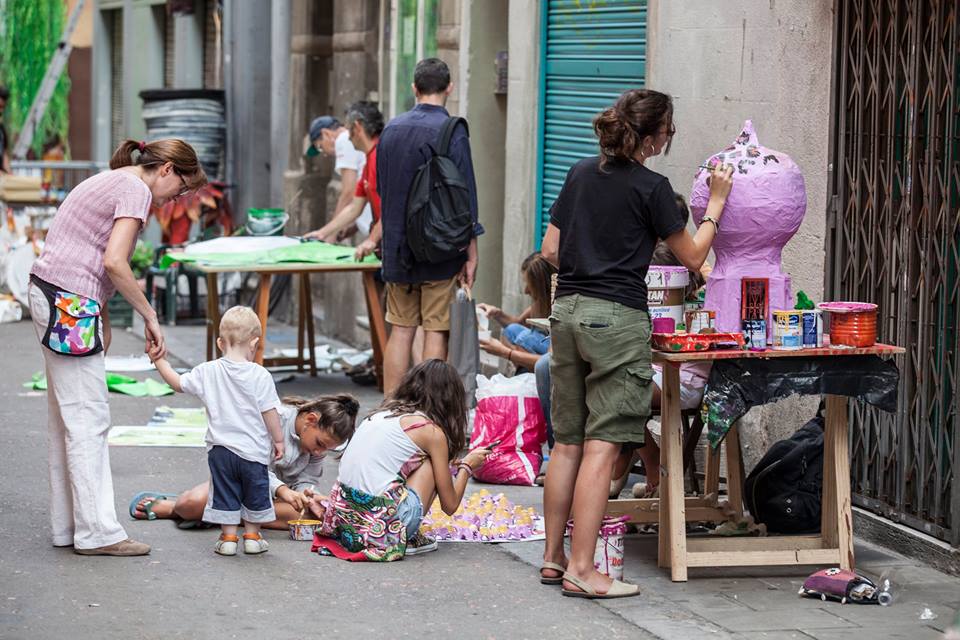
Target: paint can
x=812, y=329
x=666, y=286
x=787, y=330
x=755, y=332
x=700, y=320
x=608, y=555
x=852, y=324
x=663, y=325
x=303, y=529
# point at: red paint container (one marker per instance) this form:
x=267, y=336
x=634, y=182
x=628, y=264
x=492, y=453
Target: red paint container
x=852, y=324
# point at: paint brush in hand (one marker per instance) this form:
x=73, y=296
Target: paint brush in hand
x=304, y=510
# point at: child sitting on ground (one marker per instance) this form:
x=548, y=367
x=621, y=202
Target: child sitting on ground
x=520, y=344
x=396, y=463
x=242, y=413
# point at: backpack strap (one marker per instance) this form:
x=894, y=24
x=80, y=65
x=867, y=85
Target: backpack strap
x=446, y=133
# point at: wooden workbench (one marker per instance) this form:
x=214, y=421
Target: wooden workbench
x=832, y=546
x=305, y=332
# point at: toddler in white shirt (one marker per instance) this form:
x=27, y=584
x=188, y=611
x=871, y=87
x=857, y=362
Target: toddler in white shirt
x=243, y=430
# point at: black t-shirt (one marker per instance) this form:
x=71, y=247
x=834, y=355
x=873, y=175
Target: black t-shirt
x=610, y=220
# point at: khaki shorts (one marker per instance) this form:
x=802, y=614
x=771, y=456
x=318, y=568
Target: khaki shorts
x=600, y=371
x=426, y=304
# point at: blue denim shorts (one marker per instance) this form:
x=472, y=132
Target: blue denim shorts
x=239, y=489
x=527, y=339
x=410, y=512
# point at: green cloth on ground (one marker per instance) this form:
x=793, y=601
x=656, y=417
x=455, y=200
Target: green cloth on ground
x=309, y=252
x=118, y=383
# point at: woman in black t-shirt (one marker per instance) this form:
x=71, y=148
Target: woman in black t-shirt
x=603, y=229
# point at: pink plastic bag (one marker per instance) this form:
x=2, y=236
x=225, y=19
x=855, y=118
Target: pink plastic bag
x=508, y=410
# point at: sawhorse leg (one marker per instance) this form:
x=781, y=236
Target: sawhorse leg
x=836, y=524
x=378, y=327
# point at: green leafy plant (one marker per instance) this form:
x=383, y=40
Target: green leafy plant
x=142, y=258
x=30, y=31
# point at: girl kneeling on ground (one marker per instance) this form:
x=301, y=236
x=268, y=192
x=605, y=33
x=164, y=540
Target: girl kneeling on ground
x=396, y=463
x=310, y=428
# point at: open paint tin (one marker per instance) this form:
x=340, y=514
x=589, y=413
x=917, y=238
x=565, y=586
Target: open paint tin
x=302, y=529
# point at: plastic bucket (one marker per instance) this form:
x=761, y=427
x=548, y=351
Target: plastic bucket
x=852, y=324
x=266, y=222
x=666, y=286
x=302, y=529
x=608, y=555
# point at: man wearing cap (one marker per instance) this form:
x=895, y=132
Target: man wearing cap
x=329, y=137
x=419, y=294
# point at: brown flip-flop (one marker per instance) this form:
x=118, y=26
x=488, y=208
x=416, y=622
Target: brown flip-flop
x=555, y=567
x=617, y=589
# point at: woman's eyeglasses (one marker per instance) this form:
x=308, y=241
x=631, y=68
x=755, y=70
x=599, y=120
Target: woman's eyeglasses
x=185, y=189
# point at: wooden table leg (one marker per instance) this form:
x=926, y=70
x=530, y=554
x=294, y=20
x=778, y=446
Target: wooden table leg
x=734, y=470
x=308, y=315
x=213, y=315
x=836, y=524
x=263, y=309
x=301, y=324
x=674, y=543
x=711, y=481
x=378, y=327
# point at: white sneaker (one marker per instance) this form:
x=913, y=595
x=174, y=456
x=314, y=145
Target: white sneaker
x=226, y=546
x=254, y=543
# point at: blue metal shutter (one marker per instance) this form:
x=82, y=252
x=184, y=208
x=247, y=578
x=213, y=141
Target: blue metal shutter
x=591, y=52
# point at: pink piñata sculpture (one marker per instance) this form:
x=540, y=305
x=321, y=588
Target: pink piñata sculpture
x=763, y=211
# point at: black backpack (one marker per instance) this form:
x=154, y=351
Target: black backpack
x=439, y=222
x=784, y=490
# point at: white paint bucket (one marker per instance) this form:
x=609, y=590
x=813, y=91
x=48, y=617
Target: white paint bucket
x=608, y=555
x=665, y=288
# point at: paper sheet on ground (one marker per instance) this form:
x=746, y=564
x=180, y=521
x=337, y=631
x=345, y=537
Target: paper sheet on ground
x=309, y=252
x=117, y=383
x=128, y=364
x=168, y=427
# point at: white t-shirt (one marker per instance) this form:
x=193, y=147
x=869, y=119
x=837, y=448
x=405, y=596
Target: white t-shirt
x=348, y=157
x=377, y=451
x=235, y=395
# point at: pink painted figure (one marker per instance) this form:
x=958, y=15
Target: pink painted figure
x=762, y=213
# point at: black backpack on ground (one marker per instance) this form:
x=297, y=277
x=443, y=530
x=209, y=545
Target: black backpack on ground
x=784, y=490
x=439, y=222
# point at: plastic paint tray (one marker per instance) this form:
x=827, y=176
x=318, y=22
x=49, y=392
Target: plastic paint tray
x=686, y=342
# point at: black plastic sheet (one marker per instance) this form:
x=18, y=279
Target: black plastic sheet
x=736, y=386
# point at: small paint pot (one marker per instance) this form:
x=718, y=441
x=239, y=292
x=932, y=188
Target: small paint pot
x=303, y=529
x=787, y=330
x=664, y=325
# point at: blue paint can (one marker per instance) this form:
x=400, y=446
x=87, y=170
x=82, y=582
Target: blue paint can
x=812, y=329
x=755, y=332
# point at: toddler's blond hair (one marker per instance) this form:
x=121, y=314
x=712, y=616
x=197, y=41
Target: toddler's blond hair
x=239, y=324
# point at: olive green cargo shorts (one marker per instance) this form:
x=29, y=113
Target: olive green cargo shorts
x=600, y=370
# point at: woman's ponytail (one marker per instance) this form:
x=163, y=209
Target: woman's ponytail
x=123, y=156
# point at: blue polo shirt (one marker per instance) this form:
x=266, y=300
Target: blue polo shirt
x=403, y=147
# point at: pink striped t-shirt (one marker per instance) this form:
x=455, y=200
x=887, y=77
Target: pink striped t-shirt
x=72, y=256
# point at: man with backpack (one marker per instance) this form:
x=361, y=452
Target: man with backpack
x=429, y=218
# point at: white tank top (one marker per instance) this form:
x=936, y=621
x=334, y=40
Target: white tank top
x=377, y=452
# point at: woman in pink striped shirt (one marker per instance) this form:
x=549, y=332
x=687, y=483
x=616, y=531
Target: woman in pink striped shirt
x=85, y=260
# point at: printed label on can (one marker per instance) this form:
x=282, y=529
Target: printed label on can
x=812, y=329
x=755, y=331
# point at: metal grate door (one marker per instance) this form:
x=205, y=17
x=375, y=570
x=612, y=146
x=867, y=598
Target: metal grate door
x=894, y=239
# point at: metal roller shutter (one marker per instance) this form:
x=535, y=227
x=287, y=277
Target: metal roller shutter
x=591, y=53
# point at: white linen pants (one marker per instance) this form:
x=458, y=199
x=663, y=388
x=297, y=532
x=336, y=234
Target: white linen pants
x=82, y=512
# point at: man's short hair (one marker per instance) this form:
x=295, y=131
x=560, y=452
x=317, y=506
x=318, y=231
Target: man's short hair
x=368, y=115
x=239, y=324
x=431, y=76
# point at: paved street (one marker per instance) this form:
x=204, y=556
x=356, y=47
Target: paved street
x=466, y=591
